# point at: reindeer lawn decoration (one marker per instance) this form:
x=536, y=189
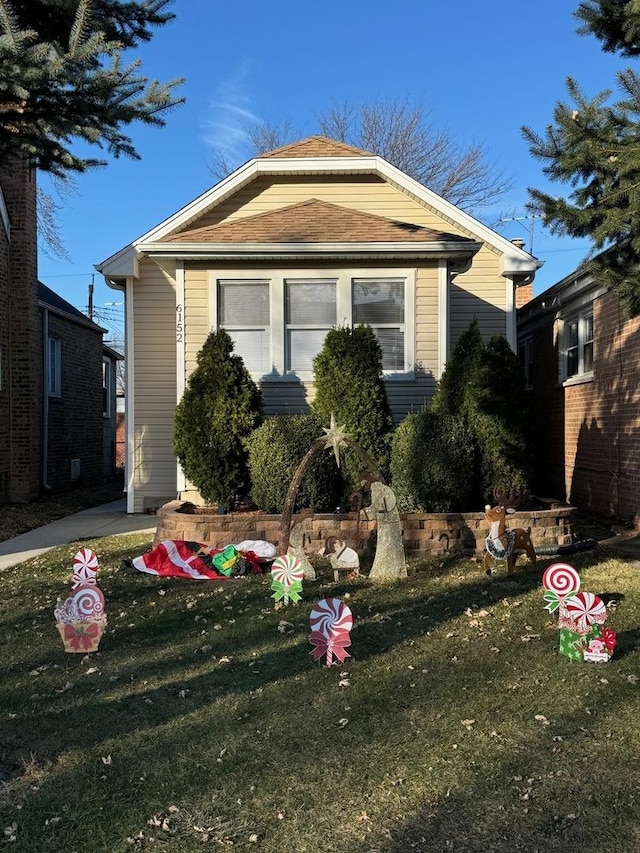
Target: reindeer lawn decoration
x=502, y=543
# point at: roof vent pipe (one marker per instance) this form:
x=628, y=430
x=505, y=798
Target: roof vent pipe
x=518, y=242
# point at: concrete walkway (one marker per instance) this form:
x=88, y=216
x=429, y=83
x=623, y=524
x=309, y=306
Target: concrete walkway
x=109, y=519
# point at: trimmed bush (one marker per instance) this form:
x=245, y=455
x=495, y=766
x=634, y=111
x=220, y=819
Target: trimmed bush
x=497, y=409
x=220, y=407
x=275, y=451
x=481, y=396
x=349, y=383
x=433, y=463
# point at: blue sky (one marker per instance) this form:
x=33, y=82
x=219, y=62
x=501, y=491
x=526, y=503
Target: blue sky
x=483, y=69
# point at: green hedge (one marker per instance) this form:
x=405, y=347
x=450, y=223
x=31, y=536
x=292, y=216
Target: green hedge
x=433, y=463
x=275, y=450
x=219, y=409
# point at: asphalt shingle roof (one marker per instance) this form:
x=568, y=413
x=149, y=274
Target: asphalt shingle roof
x=313, y=221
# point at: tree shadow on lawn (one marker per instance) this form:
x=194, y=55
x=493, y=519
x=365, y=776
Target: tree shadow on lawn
x=398, y=616
x=526, y=794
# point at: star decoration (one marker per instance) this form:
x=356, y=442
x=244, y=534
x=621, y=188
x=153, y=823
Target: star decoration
x=336, y=437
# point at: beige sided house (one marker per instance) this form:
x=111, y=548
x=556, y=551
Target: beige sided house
x=303, y=238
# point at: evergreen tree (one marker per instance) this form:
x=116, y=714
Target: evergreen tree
x=349, y=385
x=62, y=79
x=594, y=146
x=219, y=409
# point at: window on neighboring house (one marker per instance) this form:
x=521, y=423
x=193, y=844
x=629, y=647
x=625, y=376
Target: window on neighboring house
x=106, y=387
x=54, y=367
x=243, y=310
x=578, y=345
x=525, y=354
x=379, y=303
x=278, y=323
x=310, y=310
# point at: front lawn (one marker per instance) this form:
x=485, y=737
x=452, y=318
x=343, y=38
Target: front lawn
x=203, y=722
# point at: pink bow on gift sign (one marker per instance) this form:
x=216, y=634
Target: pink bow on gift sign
x=332, y=645
x=82, y=635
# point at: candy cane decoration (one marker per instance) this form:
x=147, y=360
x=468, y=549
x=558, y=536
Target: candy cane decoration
x=560, y=580
x=286, y=579
x=85, y=566
x=586, y=609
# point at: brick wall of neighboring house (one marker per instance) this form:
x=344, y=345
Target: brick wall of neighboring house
x=524, y=294
x=5, y=457
x=22, y=416
x=588, y=434
x=75, y=427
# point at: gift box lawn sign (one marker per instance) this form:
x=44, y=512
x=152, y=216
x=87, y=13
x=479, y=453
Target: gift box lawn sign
x=80, y=618
x=581, y=616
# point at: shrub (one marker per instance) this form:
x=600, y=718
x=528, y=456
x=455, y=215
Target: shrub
x=497, y=408
x=275, y=451
x=220, y=407
x=349, y=384
x=432, y=463
x=483, y=389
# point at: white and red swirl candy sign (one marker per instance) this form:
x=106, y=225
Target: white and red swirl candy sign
x=330, y=622
x=580, y=613
x=81, y=618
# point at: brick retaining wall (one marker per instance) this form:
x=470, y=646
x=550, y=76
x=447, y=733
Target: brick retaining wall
x=424, y=534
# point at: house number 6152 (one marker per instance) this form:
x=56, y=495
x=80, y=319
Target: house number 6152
x=179, y=325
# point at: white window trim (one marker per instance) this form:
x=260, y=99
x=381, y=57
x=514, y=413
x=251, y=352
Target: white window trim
x=56, y=391
x=563, y=337
x=343, y=279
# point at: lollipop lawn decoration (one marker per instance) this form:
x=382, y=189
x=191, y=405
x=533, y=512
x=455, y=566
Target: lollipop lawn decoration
x=330, y=622
x=580, y=616
x=81, y=619
x=286, y=579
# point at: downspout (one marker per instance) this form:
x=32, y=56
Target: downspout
x=443, y=315
x=45, y=401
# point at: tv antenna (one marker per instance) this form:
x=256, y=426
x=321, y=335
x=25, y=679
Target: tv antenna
x=529, y=228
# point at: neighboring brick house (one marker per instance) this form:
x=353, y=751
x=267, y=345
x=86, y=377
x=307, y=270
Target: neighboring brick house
x=582, y=362
x=52, y=430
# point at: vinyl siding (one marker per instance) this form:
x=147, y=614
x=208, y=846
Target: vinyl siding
x=288, y=397
x=155, y=387
x=479, y=293
x=365, y=193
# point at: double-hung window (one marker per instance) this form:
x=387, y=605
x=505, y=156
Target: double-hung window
x=380, y=303
x=578, y=345
x=310, y=311
x=279, y=319
x=243, y=309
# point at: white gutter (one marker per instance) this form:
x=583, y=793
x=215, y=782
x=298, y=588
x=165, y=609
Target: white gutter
x=180, y=358
x=443, y=316
x=431, y=249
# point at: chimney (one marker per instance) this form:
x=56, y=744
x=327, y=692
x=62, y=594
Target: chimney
x=518, y=242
